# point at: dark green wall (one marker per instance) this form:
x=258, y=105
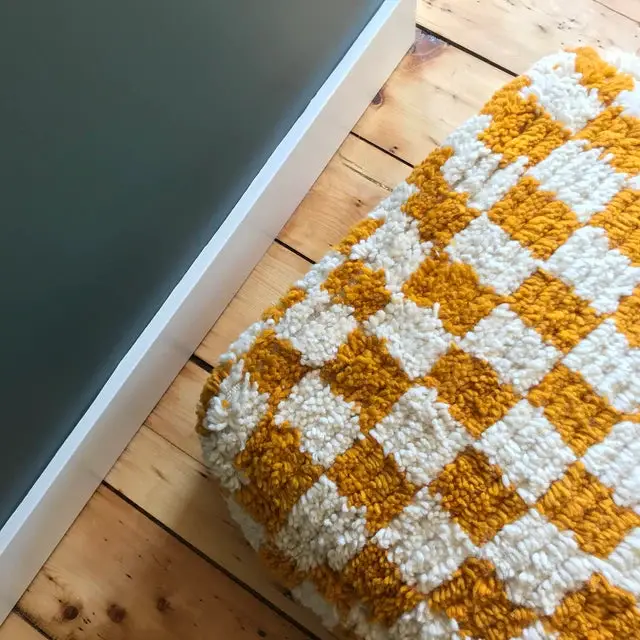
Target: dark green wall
x=127, y=132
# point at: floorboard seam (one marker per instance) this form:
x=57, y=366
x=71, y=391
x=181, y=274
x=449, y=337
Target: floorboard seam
x=608, y=8
x=203, y=364
x=210, y=561
x=457, y=45
x=29, y=620
x=284, y=245
x=382, y=149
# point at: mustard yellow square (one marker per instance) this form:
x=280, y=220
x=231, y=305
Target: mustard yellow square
x=472, y=490
x=361, y=231
x=627, y=318
x=279, y=473
x=597, y=610
x=551, y=307
x=281, y=564
x=601, y=76
x=580, y=503
x=440, y=210
x=621, y=221
x=274, y=365
x=364, y=372
x=378, y=584
x=535, y=218
x=476, y=598
x=455, y=288
x=618, y=136
x=333, y=587
x=369, y=478
x=277, y=311
x=581, y=416
x=539, y=133
x=357, y=286
x=471, y=388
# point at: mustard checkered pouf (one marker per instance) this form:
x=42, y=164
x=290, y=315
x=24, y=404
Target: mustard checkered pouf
x=435, y=433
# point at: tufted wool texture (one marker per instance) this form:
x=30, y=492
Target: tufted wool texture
x=436, y=432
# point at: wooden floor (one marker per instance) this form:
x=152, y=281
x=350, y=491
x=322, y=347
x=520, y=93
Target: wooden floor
x=154, y=556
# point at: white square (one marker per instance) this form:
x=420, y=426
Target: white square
x=537, y=632
x=468, y=152
x=425, y=543
x=497, y=185
x=245, y=341
x=394, y=201
x=308, y=596
x=517, y=352
x=616, y=463
x=625, y=62
x=607, y=362
x=322, y=528
x=395, y=247
x=318, y=273
x=231, y=417
x=421, y=623
x=633, y=182
x=597, y=273
x=499, y=261
x=328, y=425
x=556, y=85
x=529, y=450
x=473, y=167
x=359, y=622
x=622, y=567
x=414, y=335
x=629, y=100
x=252, y=530
x=421, y=435
x=538, y=563
x=579, y=177
x=317, y=328
x=477, y=175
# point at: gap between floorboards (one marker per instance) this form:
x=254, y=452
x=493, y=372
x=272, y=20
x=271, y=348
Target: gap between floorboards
x=457, y=45
x=203, y=556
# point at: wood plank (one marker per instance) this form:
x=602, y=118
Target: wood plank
x=117, y=575
x=629, y=8
x=435, y=88
x=267, y=282
x=15, y=628
x=356, y=179
x=174, y=417
x=515, y=33
x=176, y=490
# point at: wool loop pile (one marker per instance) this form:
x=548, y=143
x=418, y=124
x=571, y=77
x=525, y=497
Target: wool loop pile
x=435, y=434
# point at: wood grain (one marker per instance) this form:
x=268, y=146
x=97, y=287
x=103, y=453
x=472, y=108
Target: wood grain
x=515, y=33
x=355, y=180
x=174, y=416
x=629, y=8
x=177, y=491
x=15, y=628
x=435, y=88
x=267, y=282
x=117, y=575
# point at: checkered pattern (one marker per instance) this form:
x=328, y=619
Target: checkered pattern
x=435, y=433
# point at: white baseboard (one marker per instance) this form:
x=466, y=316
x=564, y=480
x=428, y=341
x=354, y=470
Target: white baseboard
x=149, y=367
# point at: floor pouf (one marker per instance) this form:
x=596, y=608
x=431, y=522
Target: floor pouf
x=435, y=433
